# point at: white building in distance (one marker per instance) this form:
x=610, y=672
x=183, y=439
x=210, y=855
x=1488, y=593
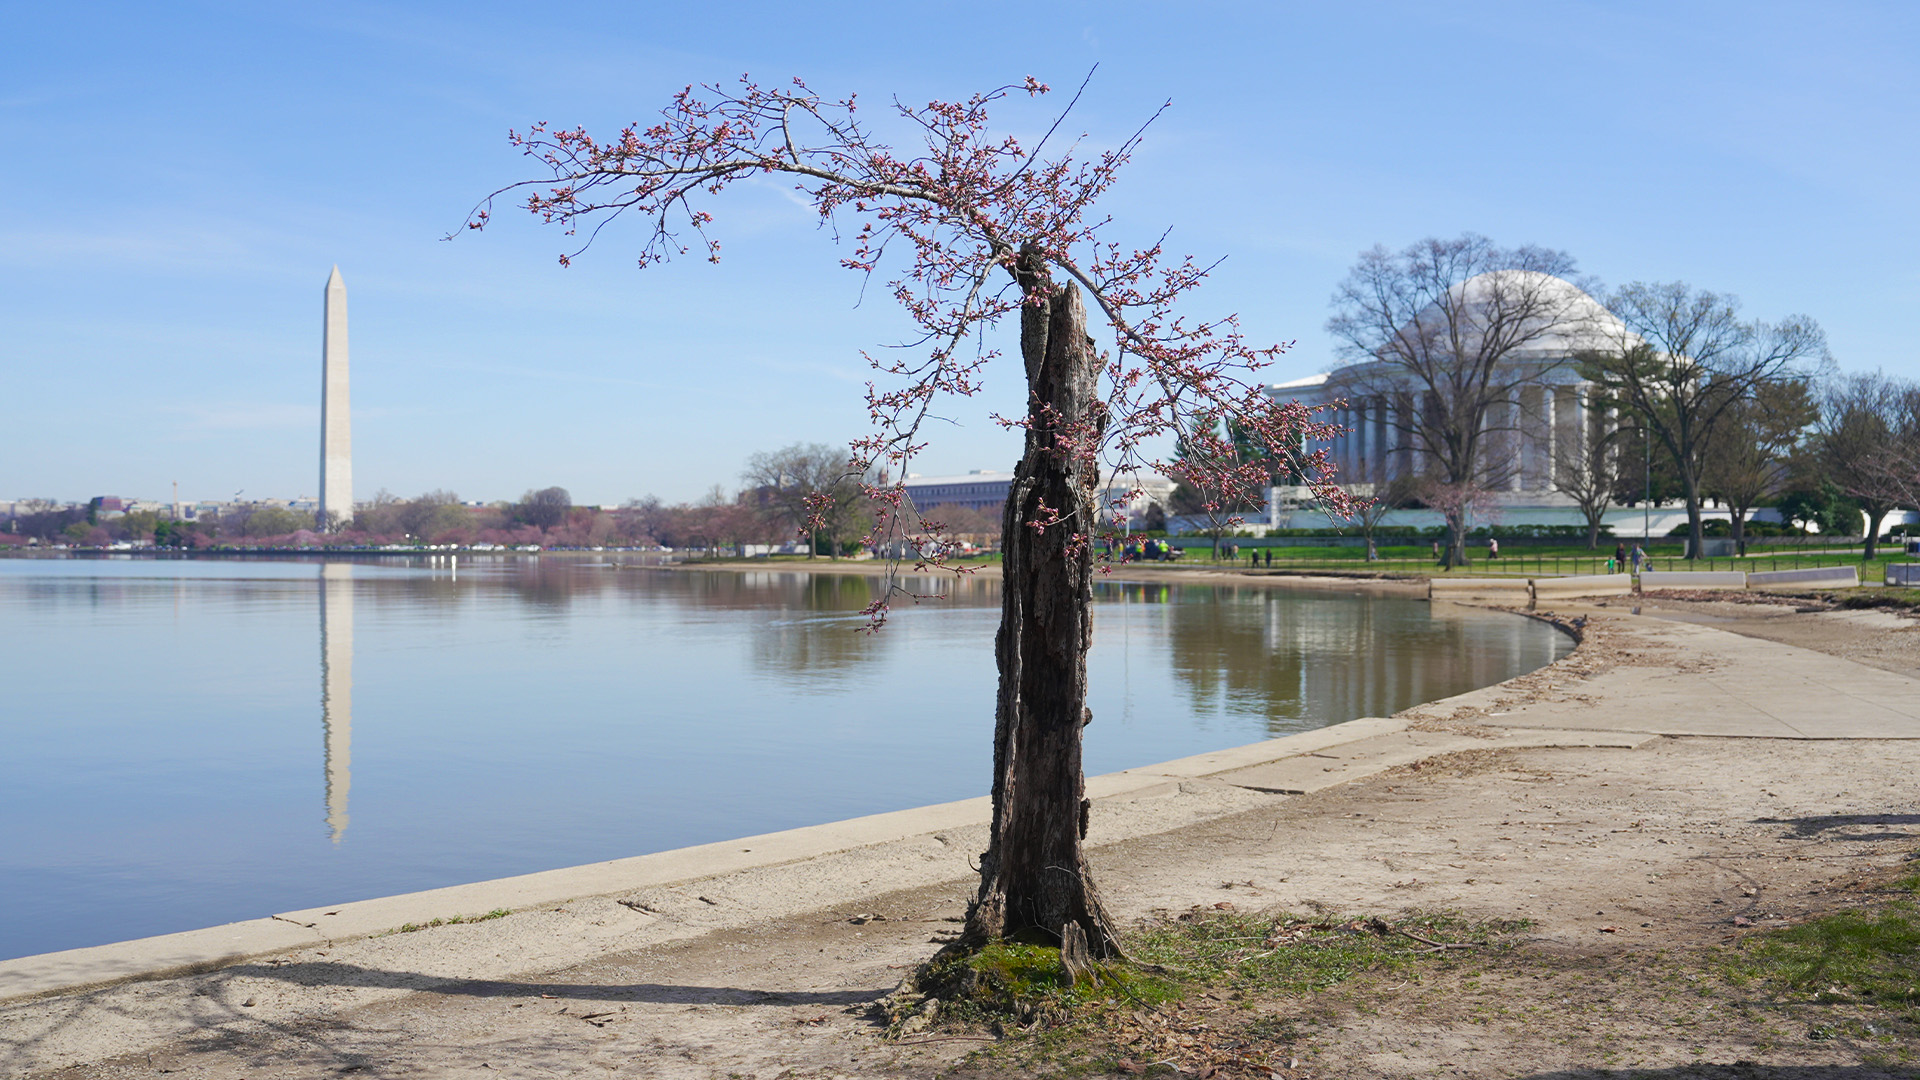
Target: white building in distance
x=1548, y=413
x=982, y=489
x=986, y=490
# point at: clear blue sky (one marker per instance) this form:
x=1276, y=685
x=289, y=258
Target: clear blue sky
x=179, y=178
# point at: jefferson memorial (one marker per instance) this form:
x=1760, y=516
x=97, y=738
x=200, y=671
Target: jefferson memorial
x=1541, y=407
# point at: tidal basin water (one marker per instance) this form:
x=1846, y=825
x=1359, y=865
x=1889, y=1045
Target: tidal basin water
x=190, y=742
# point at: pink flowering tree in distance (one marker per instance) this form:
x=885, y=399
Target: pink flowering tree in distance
x=971, y=228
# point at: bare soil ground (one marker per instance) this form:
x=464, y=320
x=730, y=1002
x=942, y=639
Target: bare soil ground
x=1635, y=871
x=1886, y=639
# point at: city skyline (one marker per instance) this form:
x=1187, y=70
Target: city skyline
x=166, y=333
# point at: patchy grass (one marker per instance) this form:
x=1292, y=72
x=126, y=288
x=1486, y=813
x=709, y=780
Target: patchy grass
x=1288, y=954
x=496, y=913
x=1860, y=957
x=1259, y=997
x=1011, y=973
x=1011, y=985
x=1186, y=1005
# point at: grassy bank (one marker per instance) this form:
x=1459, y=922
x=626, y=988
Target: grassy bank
x=1541, y=561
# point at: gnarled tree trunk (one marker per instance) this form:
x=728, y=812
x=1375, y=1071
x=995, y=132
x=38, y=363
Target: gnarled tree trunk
x=1034, y=881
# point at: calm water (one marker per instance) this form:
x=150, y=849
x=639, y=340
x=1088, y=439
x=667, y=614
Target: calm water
x=184, y=743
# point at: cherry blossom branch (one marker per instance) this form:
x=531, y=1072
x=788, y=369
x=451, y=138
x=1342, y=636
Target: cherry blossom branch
x=964, y=204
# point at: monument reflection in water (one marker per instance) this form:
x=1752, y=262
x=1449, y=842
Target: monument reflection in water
x=336, y=688
x=160, y=771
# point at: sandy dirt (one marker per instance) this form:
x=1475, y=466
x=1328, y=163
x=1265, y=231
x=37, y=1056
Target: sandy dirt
x=1889, y=640
x=1631, y=864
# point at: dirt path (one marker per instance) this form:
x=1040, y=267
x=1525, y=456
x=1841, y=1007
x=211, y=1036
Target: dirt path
x=1630, y=864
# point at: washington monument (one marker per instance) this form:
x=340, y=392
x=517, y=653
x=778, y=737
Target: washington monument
x=336, y=421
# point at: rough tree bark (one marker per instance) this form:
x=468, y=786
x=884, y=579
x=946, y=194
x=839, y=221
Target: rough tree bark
x=1034, y=880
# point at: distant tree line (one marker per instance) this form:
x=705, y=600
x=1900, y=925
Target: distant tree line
x=772, y=509
x=1702, y=407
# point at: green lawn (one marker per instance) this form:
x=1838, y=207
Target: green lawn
x=1417, y=559
x=1546, y=561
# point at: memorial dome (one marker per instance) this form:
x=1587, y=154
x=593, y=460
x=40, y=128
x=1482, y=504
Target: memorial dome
x=1545, y=315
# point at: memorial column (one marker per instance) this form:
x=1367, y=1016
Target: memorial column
x=1516, y=441
x=1549, y=448
x=1360, y=447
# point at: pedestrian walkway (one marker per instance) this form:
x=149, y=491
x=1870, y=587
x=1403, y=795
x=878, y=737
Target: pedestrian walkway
x=1687, y=679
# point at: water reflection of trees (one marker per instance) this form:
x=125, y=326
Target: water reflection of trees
x=1294, y=658
x=809, y=631
x=548, y=586
x=1301, y=659
x=817, y=634
x=553, y=584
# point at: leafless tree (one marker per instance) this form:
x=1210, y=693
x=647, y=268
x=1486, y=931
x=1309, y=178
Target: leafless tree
x=1750, y=458
x=273, y=521
x=643, y=520
x=1865, y=445
x=1587, y=469
x=1445, y=334
x=1682, y=359
x=808, y=482
x=432, y=514
x=1374, y=502
x=545, y=508
x=1902, y=462
x=378, y=516
x=44, y=519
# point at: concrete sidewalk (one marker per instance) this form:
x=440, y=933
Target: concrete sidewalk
x=1689, y=679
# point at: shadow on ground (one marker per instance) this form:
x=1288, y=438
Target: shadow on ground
x=353, y=975
x=1803, y=828
x=1739, y=1070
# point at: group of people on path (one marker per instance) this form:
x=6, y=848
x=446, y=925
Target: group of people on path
x=1152, y=549
x=1618, y=563
x=1232, y=552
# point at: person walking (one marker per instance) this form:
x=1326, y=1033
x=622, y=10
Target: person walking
x=1639, y=557
x=1493, y=547
x=1619, y=558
